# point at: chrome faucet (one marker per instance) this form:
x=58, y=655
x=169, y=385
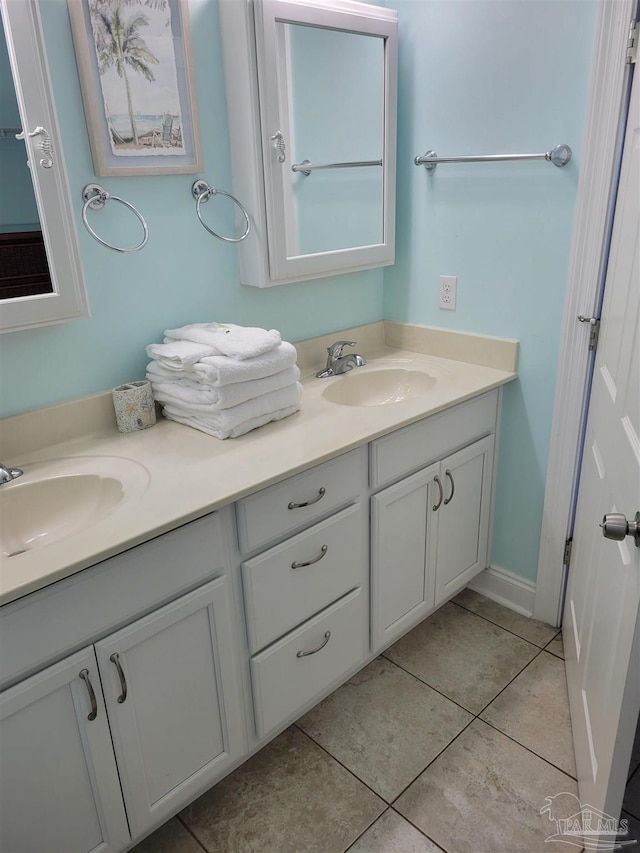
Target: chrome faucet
x=338, y=363
x=9, y=474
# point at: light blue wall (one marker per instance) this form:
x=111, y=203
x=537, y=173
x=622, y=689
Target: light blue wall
x=475, y=76
x=489, y=77
x=183, y=275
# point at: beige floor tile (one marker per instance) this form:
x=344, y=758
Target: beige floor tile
x=556, y=647
x=289, y=797
x=536, y=632
x=462, y=655
x=534, y=710
x=392, y=834
x=632, y=795
x=172, y=837
x=385, y=726
x=484, y=795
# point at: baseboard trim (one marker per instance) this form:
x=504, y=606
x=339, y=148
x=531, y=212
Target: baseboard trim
x=508, y=589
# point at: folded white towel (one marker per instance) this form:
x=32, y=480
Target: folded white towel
x=178, y=355
x=175, y=383
x=204, y=425
x=239, y=342
x=218, y=370
x=222, y=424
x=157, y=372
x=205, y=399
x=227, y=419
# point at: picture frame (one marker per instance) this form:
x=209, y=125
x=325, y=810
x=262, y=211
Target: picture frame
x=138, y=86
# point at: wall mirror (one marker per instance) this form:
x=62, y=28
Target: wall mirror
x=314, y=156
x=40, y=273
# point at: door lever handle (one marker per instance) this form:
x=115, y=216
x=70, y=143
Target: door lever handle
x=615, y=526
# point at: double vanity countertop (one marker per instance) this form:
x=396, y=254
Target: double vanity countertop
x=173, y=474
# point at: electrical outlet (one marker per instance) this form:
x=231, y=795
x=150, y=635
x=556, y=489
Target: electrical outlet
x=447, y=290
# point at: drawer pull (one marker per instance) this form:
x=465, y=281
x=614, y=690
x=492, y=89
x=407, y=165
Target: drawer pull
x=437, y=506
x=84, y=675
x=115, y=659
x=323, y=551
x=327, y=637
x=453, y=487
x=319, y=496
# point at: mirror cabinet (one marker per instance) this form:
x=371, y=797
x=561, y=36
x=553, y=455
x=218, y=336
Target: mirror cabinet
x=311, y=100
x=41, y=280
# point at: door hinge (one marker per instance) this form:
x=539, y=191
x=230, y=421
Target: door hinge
x=594, y=331
x=566, y=559
x=632, y=44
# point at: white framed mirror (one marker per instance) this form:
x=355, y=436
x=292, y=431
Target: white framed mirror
x=43, y=280
x=312, y=117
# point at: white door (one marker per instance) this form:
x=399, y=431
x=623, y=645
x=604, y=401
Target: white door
x=463, y=517
x=603, y=594
x=402, y=555
x=172, y=694
x=59, y=785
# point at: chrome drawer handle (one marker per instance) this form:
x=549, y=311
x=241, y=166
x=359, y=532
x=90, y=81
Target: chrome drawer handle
x=437, y=506
x=453, y=487
x=323, y=551
x=115, y=659
x=327, y=637
x=319, y=496
x=84, y=675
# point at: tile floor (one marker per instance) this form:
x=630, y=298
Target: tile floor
x=450, y=741
x=631, y=804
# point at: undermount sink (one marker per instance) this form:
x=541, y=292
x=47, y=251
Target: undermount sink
x=379, y=387
x=58, y=498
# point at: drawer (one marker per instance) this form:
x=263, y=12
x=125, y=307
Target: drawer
x=42, y=627
x=272, y=513
x=288, y=675
x=280, y=593
x=408, y=449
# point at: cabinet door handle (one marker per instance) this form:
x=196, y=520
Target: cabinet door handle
x=115, y=660
x=327, y=637
x=319, y=496
x=453, y=487
x=84, y=675
x=323, y=551
x=437, y=506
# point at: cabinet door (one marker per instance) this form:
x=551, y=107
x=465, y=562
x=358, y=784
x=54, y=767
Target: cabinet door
x=463, y=517
x=173, y=698
x=402, y=555
x=60, y=790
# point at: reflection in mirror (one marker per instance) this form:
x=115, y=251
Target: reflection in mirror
x=340, y=206
x=24, y=270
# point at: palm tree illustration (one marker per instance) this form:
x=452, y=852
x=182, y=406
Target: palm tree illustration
x=120, y=45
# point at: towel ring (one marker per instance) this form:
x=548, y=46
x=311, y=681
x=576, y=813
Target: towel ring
x=202, y=191
x=95, y=197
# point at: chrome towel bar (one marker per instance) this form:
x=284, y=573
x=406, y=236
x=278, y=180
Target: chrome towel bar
x=306, y=167
x=559, y=156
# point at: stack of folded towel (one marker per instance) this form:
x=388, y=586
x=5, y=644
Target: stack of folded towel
x=224, y=379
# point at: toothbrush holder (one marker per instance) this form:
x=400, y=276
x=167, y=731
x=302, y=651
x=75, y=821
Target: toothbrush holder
x=134, y=406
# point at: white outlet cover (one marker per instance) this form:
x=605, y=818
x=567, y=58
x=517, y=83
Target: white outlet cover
x=447, y=290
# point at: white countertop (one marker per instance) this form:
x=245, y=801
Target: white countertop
x=190, y=473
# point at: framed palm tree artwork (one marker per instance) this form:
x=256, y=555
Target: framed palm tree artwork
x=138, y=90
